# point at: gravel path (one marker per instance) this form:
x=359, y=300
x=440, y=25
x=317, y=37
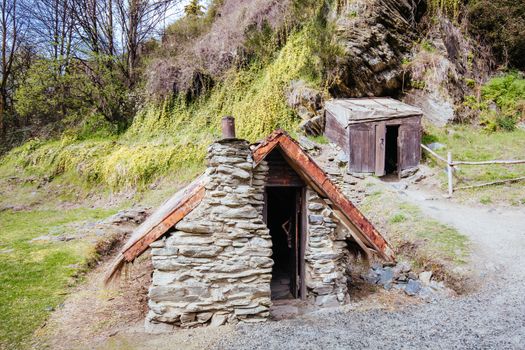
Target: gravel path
x=493, y=318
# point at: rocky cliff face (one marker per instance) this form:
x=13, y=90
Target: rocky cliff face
x=444, y=68
x=375, y=36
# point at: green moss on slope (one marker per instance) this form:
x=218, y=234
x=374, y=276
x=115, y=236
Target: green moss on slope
x=174, y=136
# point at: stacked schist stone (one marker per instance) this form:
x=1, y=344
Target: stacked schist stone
x=325, y=252
x=215, y=266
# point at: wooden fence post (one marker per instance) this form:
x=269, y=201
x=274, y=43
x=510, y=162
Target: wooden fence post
x=449, y=173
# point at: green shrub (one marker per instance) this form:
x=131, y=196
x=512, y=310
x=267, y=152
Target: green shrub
x=500, y=24
x=507, y=93
x=397, y=218
x=47, y=95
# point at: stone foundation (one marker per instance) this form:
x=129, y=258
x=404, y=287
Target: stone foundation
x=215, y=266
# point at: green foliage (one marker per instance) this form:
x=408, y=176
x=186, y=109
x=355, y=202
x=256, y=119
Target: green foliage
x=194, y=8
x=320, y=37
x=485, y=200
x=92, y=126
x=507, y=92
x=35, y=275
x=262, y=43
x=450, y=8
x=53, y=93
x=427, y=46
x=471, y=83
x=418, y=84
x=190, y=27
x=397, y=218
x=500, y=23
x=321, y=139
x=49, y=93
x=108, y=91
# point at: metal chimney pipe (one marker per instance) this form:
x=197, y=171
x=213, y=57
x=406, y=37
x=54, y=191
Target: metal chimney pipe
x=228, y=127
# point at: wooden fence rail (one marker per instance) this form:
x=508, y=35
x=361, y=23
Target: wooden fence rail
x=451, y=164
x=489, y=162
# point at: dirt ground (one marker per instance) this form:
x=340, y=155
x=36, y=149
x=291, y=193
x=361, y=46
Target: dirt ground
x=106, y=318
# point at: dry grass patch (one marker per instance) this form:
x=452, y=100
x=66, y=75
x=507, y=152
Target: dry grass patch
x=427, y=243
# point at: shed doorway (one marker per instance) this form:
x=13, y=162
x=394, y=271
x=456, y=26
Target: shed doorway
x=284, y=220
x=391, y=149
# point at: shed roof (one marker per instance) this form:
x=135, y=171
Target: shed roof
x=362, y=110
x=187, y=199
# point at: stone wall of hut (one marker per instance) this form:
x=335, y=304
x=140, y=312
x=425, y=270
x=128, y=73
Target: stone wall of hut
x=215, y=266
x=325, y=265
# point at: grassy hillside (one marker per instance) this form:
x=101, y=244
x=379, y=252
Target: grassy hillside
x=172, y=137
x=35, y=273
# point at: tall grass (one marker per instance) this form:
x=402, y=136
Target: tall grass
x=173, y=136
x=450, y=8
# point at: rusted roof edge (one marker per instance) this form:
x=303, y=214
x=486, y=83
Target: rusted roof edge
x=166, y=216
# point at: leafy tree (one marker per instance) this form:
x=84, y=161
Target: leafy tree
x=45, y=97
x=194, y=8
x=12, y=26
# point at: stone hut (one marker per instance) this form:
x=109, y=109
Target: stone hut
x=263, y=222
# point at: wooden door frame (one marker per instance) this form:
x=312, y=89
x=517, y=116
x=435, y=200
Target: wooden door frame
x=399, y=148
x=380, y=131
x=398, y=145
x=300, y=233
x=302, y=241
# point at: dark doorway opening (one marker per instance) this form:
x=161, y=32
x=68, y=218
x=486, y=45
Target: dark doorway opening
x=283, y=218
x=391, y=149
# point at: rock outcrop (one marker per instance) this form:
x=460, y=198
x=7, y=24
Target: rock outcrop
x=376, y=36
x=443, y=70
x=308, y=104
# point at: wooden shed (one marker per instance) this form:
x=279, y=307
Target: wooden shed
x=380, y=135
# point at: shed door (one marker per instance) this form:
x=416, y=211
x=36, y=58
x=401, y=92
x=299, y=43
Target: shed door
x=409, y=147
x=362, y=148
x=380, y=149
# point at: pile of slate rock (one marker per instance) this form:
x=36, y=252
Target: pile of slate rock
x=401, y=277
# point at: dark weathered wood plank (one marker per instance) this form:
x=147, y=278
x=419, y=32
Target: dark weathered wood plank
x=336, y=132
x=409, y=146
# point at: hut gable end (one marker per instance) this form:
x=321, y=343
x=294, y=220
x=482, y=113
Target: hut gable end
x=187, y=199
